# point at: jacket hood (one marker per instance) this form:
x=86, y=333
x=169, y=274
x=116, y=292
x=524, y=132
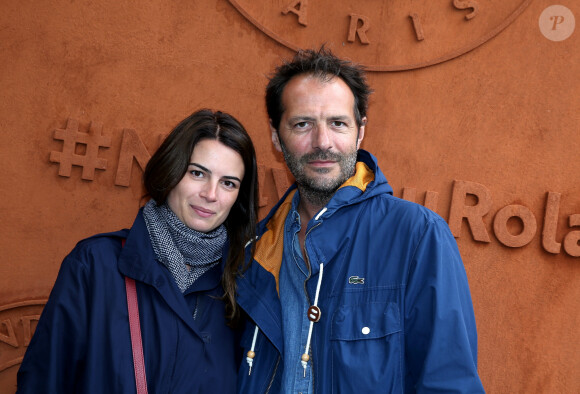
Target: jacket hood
x=367, y=182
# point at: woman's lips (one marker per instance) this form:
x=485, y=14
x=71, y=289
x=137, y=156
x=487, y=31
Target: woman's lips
x=204, y=213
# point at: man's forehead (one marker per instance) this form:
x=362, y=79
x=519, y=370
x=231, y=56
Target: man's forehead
x=306, y=93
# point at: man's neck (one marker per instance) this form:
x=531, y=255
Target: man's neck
x=307, y=209
x=310, y=204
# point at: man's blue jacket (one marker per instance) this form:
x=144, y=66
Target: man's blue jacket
x=82, y=342
x=396, y=312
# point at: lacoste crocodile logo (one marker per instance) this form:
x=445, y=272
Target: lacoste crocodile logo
x=356, y=280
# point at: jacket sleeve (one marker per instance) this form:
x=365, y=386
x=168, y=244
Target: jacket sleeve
x=55, y=354
x=441, y=336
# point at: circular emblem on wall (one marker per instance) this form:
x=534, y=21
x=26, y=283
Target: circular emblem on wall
x=17, y=325
x=384, y=35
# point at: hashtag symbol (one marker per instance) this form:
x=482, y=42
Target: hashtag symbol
x=92, y=141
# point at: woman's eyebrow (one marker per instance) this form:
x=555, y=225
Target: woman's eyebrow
x=233, y=178
x=202, y=167
x=209, y=172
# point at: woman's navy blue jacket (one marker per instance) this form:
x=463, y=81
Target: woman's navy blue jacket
x=82, y=342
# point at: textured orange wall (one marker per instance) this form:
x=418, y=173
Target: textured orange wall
x=501, y=121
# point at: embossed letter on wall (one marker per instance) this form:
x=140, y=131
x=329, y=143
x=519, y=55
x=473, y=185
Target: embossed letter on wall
x=384, y=36
x=471, y=203
x=72, y=141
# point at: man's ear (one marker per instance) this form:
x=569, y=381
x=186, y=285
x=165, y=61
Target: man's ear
x=275, y=137
x=361, y=132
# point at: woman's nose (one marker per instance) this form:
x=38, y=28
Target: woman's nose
x=209, y=191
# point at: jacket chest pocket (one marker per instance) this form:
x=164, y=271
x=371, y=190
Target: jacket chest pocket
x=366, y=341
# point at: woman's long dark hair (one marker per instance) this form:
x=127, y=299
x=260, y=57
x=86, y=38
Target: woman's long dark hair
x=169, y=164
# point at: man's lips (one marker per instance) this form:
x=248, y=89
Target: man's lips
x=321, y=163
x=200, y=211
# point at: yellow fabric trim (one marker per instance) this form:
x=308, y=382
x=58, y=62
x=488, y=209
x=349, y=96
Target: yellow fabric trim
x=270, y=248
x=361, y=178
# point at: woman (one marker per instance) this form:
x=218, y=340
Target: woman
x=203, y=187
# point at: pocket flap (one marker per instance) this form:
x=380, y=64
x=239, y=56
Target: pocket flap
x=365, y=321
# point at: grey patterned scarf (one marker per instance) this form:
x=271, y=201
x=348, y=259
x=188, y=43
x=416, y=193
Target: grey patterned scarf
x=179, y=247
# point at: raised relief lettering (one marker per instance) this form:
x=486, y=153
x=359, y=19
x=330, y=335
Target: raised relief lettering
x=473, y=213
x=500, y=226
x=27, y=327
x=359, y=25
x=465, y=4
x=72, y=138
x=417, y=26
x=131, y=148
x=281, y=180
x=469, y=200
x=263, y=199
x=550, y=223
x=299, y=8
x=10, y=337
x=431, y=198
x=572, y=239
x=409, y=194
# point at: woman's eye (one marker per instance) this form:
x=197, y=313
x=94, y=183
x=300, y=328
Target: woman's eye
x=229, y=184
x=197, y=173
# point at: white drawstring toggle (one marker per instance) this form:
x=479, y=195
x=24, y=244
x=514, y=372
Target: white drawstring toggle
x=313, y=314
x=251, y=354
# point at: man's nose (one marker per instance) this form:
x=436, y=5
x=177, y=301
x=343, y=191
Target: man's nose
x=322, y=138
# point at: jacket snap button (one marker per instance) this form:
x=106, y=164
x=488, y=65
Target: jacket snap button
x=366, y=330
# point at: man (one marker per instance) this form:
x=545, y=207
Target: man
x=351, y=290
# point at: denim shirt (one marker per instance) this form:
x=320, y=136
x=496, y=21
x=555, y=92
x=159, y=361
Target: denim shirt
x=293, y=273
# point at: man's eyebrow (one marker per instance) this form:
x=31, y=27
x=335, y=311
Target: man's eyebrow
x=339, y=117
x=209, y=172
x=301, y=118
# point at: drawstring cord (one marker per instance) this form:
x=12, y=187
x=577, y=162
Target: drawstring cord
x=320, y=213
x=313, y=316
x=251, y=354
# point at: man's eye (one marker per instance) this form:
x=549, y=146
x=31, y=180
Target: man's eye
x=301, y=125
x=338, y=123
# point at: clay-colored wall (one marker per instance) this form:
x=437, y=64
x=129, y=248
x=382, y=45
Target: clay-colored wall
x=500, y=121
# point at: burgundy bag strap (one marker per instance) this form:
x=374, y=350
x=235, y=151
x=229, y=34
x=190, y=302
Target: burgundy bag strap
x=136, y=342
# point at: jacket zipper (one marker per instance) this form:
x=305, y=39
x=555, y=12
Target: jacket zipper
x=195, y=308
x=273, y=375
x=306, y=291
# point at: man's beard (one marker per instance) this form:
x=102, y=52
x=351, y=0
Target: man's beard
x=316, y=190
